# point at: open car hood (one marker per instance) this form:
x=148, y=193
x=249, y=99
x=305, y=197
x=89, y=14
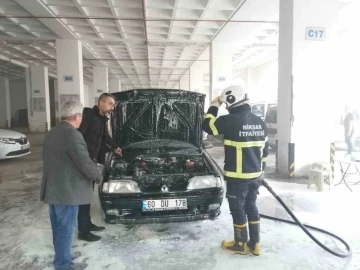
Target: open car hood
x=141, y=115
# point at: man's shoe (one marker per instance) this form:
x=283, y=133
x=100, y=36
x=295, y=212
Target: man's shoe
x=89, y=237
x=239, y=245
x=254, y=243
x=94, y=228
x=77, y=266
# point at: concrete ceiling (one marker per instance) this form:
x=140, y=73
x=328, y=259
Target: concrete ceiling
x=145, y=43
x=140, y=41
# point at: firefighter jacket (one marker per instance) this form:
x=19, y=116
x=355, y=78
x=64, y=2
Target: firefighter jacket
x=245, y=141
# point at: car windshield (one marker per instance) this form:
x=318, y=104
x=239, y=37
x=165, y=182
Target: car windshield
x=258, y=110
x=271, y=117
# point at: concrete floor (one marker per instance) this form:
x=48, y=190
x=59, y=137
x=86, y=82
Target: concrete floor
x=26, y=242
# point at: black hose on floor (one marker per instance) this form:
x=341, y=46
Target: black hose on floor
x=304, y=227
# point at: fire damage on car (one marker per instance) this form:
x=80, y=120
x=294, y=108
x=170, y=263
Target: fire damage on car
x=164, y=173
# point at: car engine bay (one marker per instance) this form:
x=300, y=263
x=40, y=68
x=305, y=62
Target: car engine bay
x=143, y=165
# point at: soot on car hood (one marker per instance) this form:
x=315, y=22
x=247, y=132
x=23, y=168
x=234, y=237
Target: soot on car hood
x=153, y=114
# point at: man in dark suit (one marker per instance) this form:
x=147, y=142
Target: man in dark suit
x=96, y=135
x=68, y=175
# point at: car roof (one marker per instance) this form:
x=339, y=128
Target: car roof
x=272, y=108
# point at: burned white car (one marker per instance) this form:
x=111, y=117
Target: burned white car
x=164, y=174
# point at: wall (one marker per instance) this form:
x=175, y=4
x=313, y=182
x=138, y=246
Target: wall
x=185, y=81
x=17, y=100
x=220, y=68
x=240, y=77
x=86, y=95
x=114, y=86
x=347, y=44
x=199, y=75
x=261, y=81
x=100, y=80
x=90, y=95
x=17, y=96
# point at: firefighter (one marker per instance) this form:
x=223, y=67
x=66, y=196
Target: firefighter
x=246, y=150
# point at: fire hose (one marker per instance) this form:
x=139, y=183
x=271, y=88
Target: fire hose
x=305, y=227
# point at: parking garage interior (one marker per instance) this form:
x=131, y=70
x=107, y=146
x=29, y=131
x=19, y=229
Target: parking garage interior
x=298, y=60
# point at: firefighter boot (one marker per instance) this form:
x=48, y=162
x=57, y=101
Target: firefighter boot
x=239, y=245
x=254, y=232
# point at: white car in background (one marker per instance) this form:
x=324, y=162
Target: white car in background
x=13, y=144
x=260, y=108
x=271, y=124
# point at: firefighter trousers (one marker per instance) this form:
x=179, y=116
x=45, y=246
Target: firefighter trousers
x=242, y=197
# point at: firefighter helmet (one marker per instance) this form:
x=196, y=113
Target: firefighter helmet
x=234, y=95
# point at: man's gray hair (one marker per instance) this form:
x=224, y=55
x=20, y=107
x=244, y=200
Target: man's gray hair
x=71, y=108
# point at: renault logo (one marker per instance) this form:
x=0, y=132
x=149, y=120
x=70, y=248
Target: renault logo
x=164, y=189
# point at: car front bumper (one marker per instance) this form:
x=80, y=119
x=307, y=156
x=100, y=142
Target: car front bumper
x=127, y=209
x=14, y=150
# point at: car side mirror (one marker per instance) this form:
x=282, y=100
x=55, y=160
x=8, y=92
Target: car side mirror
x=208, y=145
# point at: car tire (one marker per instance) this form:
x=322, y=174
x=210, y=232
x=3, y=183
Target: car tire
x=110, y=220
x=215, y=216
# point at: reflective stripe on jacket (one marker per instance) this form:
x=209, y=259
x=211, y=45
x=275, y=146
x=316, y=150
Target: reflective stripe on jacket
x=245, y=141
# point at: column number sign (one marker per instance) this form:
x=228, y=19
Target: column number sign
x=315, y=33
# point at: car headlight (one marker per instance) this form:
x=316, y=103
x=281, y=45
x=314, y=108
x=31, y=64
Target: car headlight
x=121, y=186
x=7, y=141
x=207, y=181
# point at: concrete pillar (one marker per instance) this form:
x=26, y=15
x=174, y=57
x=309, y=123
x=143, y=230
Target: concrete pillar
x=8, y=103
x=57, y=101
x=28, y=95
x=115, y=86
x=100, y=81
x=70, y=70
x=39, y=118
x=3, y=103
x=220, y=67
x=307, y=83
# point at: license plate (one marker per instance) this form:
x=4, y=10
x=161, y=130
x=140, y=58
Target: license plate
x=23, y=147
x=164, y=204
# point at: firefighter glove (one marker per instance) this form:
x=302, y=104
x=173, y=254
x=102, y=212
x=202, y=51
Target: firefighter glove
x=216, y=102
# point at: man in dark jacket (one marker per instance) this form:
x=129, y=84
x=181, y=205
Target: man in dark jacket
x=246, y=151
x=67, y=179
x=96, y=135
